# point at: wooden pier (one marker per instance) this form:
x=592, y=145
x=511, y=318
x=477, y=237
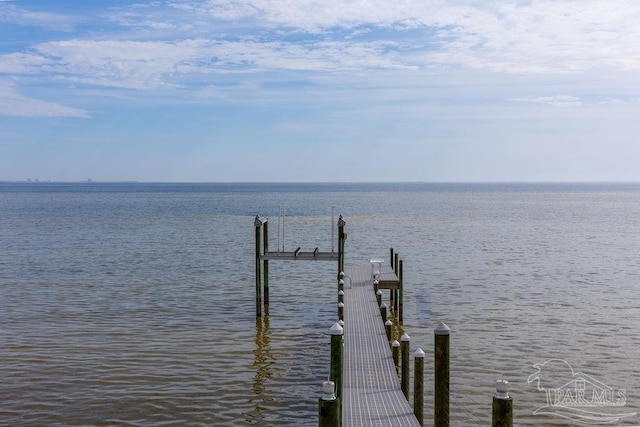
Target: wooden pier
x=372, y=395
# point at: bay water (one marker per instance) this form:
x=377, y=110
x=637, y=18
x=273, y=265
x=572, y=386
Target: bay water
x=134, y=304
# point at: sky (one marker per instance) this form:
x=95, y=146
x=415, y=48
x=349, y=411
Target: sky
x=320, y=90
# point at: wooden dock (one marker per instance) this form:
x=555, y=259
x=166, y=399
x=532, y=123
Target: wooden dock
x=372, y=395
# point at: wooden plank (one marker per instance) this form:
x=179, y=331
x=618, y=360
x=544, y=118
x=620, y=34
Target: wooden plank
x=372, y=395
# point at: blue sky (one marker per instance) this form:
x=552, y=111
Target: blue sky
x=320, y=90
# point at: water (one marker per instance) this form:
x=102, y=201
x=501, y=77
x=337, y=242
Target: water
x=134, y=304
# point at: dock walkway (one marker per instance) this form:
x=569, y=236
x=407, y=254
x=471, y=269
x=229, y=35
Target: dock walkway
x=371, y=391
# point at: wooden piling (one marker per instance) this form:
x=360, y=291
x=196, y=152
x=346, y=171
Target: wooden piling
x=502, y=411
x=387, y=328
x=341, y=310
x=441, y=376
x=379, y=297
x=328, y=406
x=265, y=265
x=400, y=293
x=395, y=353
x=383, y=312
x=337, y=357
x=418, y=386
x=404, y=376
x=341, y=296
x=258, y=225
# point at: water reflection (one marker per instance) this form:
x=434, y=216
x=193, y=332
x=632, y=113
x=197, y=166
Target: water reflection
x=263, y=361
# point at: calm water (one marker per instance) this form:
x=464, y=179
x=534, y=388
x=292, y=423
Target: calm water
x=133, y=304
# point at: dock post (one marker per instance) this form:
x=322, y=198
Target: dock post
x=328, y=406
x=341, y=296
x=341, y=311
x=404, y=376
x=391, y=261
x=340, y=285
x=342, y=236
x=393, y=293
x=376, y=283
x=400, y=292
x=383, y=312
x=258, y=225
x=502, y=411
x=441, y=376
x=335, y=371
x=387, y=327
x=395, y=351
x=418, y=386
x=379, y=297
x=265, y=263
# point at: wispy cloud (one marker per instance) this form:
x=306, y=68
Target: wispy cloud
x=11, y=13
x=553, y=101
x=195, y=44
x=13, y=103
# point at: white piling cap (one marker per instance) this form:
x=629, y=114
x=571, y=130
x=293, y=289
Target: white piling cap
x=388, y=323
x=405, y=337
x=379, y=292
x=336, y=329
x=341, y=293
x=442, y=329
x=341, y=305
x=395, y=343
x=341, y=322
x=383, y=305
x=341, y=274
x=328, y=388
x=340, y=282
x=419, y=353
x=502, y=389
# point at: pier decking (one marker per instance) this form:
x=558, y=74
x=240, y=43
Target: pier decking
x=372, y=395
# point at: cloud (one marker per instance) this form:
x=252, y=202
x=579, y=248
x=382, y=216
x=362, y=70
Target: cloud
x=182, y=44
x=12, y=14
x=13, y=103
x=553, y=101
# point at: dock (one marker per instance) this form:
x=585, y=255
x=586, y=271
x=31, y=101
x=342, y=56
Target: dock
x=372, y=395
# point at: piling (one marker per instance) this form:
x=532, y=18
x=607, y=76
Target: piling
x=387, y=327
x=379, y=297
x=341, y=310
x=404, y=375
x=265, y=266
x=376, y=283
x=441, y=376
x=391, y=260
x=328, y=406
x=341, y=296
x=258, y=222
x=400, y=292
x=395, y=352
x=383, y=312
x=337, y=357
x=341, y=285
x=418, y=386
x=502, y=413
